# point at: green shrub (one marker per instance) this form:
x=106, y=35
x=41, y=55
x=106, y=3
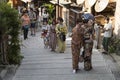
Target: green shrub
x=10, y=26
x=114, y=44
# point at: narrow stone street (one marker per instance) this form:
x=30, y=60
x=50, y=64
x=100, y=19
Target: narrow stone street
x=42, y=64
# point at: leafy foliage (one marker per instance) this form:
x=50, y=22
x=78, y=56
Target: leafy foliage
x=50, y=10
x=10, y=26
x=114, y=45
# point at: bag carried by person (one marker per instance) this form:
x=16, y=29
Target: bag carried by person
x=25, y=27
x=62, y=37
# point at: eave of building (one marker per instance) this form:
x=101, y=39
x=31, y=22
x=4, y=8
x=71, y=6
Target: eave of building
x=76, y=11
x=61, y=3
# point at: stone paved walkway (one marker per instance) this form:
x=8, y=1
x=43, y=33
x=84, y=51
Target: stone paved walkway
x=42, y=64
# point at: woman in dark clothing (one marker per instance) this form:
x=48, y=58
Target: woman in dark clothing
x=88, y=20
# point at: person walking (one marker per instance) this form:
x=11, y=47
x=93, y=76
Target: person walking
x=97, y=28
x=25, y=24
x=53, y=36
x=77, y=42
x=33, y=19
x=45, y=16
x=107, y=35
x=45, y=33
x=88, y=20
x=61, y=31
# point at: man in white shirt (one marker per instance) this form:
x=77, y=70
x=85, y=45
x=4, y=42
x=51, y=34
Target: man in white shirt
x=45, y=16
x=107, y=35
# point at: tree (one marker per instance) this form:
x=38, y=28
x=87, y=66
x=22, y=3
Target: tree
x=9, y=34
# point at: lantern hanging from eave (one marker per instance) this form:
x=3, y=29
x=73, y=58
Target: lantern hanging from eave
x=101, y=5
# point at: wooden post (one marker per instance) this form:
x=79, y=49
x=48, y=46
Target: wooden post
x=13, y=3
x=58, y=8
x=99, y=38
